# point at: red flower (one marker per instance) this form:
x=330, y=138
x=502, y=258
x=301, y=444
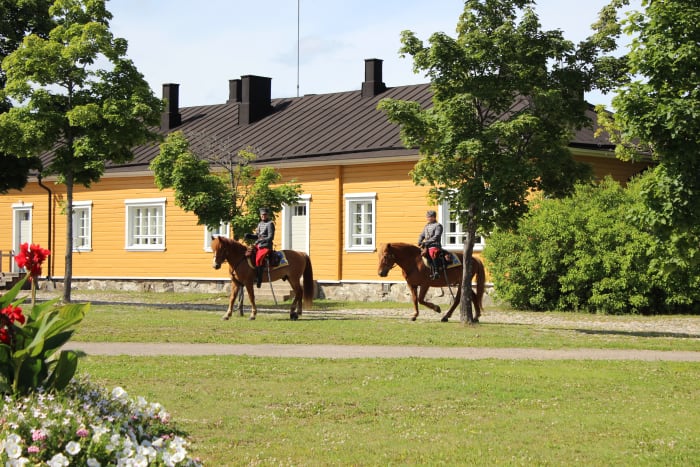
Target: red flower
x=31, y=257
x=14, y=313
x=5, y=336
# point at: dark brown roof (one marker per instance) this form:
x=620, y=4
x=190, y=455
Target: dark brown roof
x=309, y=128
x=338, y=127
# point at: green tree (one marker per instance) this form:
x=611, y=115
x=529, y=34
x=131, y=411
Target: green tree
x=657, y=112
x=506, y=98
x=233, y=192
x=18, y=19
x=78, y=97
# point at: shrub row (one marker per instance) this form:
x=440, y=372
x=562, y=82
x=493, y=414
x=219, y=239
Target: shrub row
x=589, y=252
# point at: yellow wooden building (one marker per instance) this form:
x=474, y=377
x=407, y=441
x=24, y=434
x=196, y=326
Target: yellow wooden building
x=354, y=172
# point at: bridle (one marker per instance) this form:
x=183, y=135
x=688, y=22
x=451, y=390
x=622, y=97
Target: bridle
x=222, y=250
x=385, y=260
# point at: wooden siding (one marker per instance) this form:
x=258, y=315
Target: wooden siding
x=400, y=209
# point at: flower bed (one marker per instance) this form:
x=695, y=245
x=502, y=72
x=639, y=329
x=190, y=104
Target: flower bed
x=84, y=425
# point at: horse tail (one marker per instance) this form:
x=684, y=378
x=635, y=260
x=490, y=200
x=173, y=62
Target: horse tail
x=308, y=284
x=480, y=281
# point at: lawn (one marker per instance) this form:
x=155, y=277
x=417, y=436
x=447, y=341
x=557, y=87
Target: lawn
x=242, y=410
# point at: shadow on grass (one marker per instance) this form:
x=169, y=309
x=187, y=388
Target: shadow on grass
x=677, y=335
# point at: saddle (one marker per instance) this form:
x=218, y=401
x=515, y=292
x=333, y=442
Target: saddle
x=276, y=259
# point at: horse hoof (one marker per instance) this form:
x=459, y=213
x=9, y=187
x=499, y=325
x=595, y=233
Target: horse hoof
x=438, y=310
x=293, y=316
x=252, y=318
x=444, y=319
x=225, y=318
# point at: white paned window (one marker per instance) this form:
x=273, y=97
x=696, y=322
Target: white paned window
x=221, y=230
x=145, y=224
x=82, y=225
x=360, y=221
x=453, y=232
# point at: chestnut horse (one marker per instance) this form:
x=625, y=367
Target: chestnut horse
x=243, y=273
x=417, y=275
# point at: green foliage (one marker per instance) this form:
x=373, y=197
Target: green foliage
x=658, y=111
x=233, y=194
x=588, y=252
x=16, y=21
x=32, y=357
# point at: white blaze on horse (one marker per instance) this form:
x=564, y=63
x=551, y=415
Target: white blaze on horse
x=417, y=274
x=295, y=266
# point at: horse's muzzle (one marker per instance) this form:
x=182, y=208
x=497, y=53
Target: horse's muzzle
x=383, y=273
x=216, y=266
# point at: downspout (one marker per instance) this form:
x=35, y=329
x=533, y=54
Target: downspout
x=49, y=268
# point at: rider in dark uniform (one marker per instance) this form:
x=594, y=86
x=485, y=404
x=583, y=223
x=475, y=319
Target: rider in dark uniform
x=265, y=232
x=431, y=240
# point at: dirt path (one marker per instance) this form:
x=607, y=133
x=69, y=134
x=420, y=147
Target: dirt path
x=375, y=351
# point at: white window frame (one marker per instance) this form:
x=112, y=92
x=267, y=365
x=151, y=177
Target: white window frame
x=133, y=206
x=221, y=230
x=85, y=230
x=351, y=201
x=457, y=233
x=304, y=199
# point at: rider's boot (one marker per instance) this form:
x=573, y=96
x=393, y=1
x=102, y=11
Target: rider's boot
x=433, y=269
x=259, y=272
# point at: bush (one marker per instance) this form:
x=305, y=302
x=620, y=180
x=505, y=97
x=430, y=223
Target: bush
x=83, y=425
x=589, y=253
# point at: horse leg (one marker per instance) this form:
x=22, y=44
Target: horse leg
x=414, y=296
x=424, y=302
x=456, y=301
x=251, y=297
x=295, y=311
x=235, y=287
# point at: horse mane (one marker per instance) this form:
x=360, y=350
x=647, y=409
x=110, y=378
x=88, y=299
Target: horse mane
x=402, y=245
x=230, y=244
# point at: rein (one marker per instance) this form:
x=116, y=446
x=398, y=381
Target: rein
x=227, y=252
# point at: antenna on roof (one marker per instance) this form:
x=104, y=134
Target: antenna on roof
x=298, y=22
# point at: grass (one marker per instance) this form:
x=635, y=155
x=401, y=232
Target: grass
x=149, y=323
x=278, y=411
x=242, y=410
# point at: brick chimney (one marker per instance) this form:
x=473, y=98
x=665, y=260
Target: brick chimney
x=373, y=85
x=255, y=98
x=171, y=118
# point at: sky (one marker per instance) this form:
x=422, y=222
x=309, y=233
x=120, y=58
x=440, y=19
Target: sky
x=305, y=46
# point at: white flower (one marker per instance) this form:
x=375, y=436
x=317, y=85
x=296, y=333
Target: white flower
x=73, y=448
x=92, y=462
x=13, y=450
x=119, y=394
x=14, y=438
x=21, y=462
x=59, y=460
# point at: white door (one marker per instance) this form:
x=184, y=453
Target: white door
x=295, y=218
x=22, y=230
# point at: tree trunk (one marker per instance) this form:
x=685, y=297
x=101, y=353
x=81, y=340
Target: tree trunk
x=466, y=315
x=68, y=276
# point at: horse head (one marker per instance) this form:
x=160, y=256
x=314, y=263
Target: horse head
x=386, y=259
x=218, y=248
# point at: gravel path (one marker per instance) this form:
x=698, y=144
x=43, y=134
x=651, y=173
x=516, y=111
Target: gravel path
x=375, y=351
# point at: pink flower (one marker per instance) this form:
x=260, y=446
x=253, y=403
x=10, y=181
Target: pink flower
x=38, y=435
x=33, y=449
x=82, y=433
